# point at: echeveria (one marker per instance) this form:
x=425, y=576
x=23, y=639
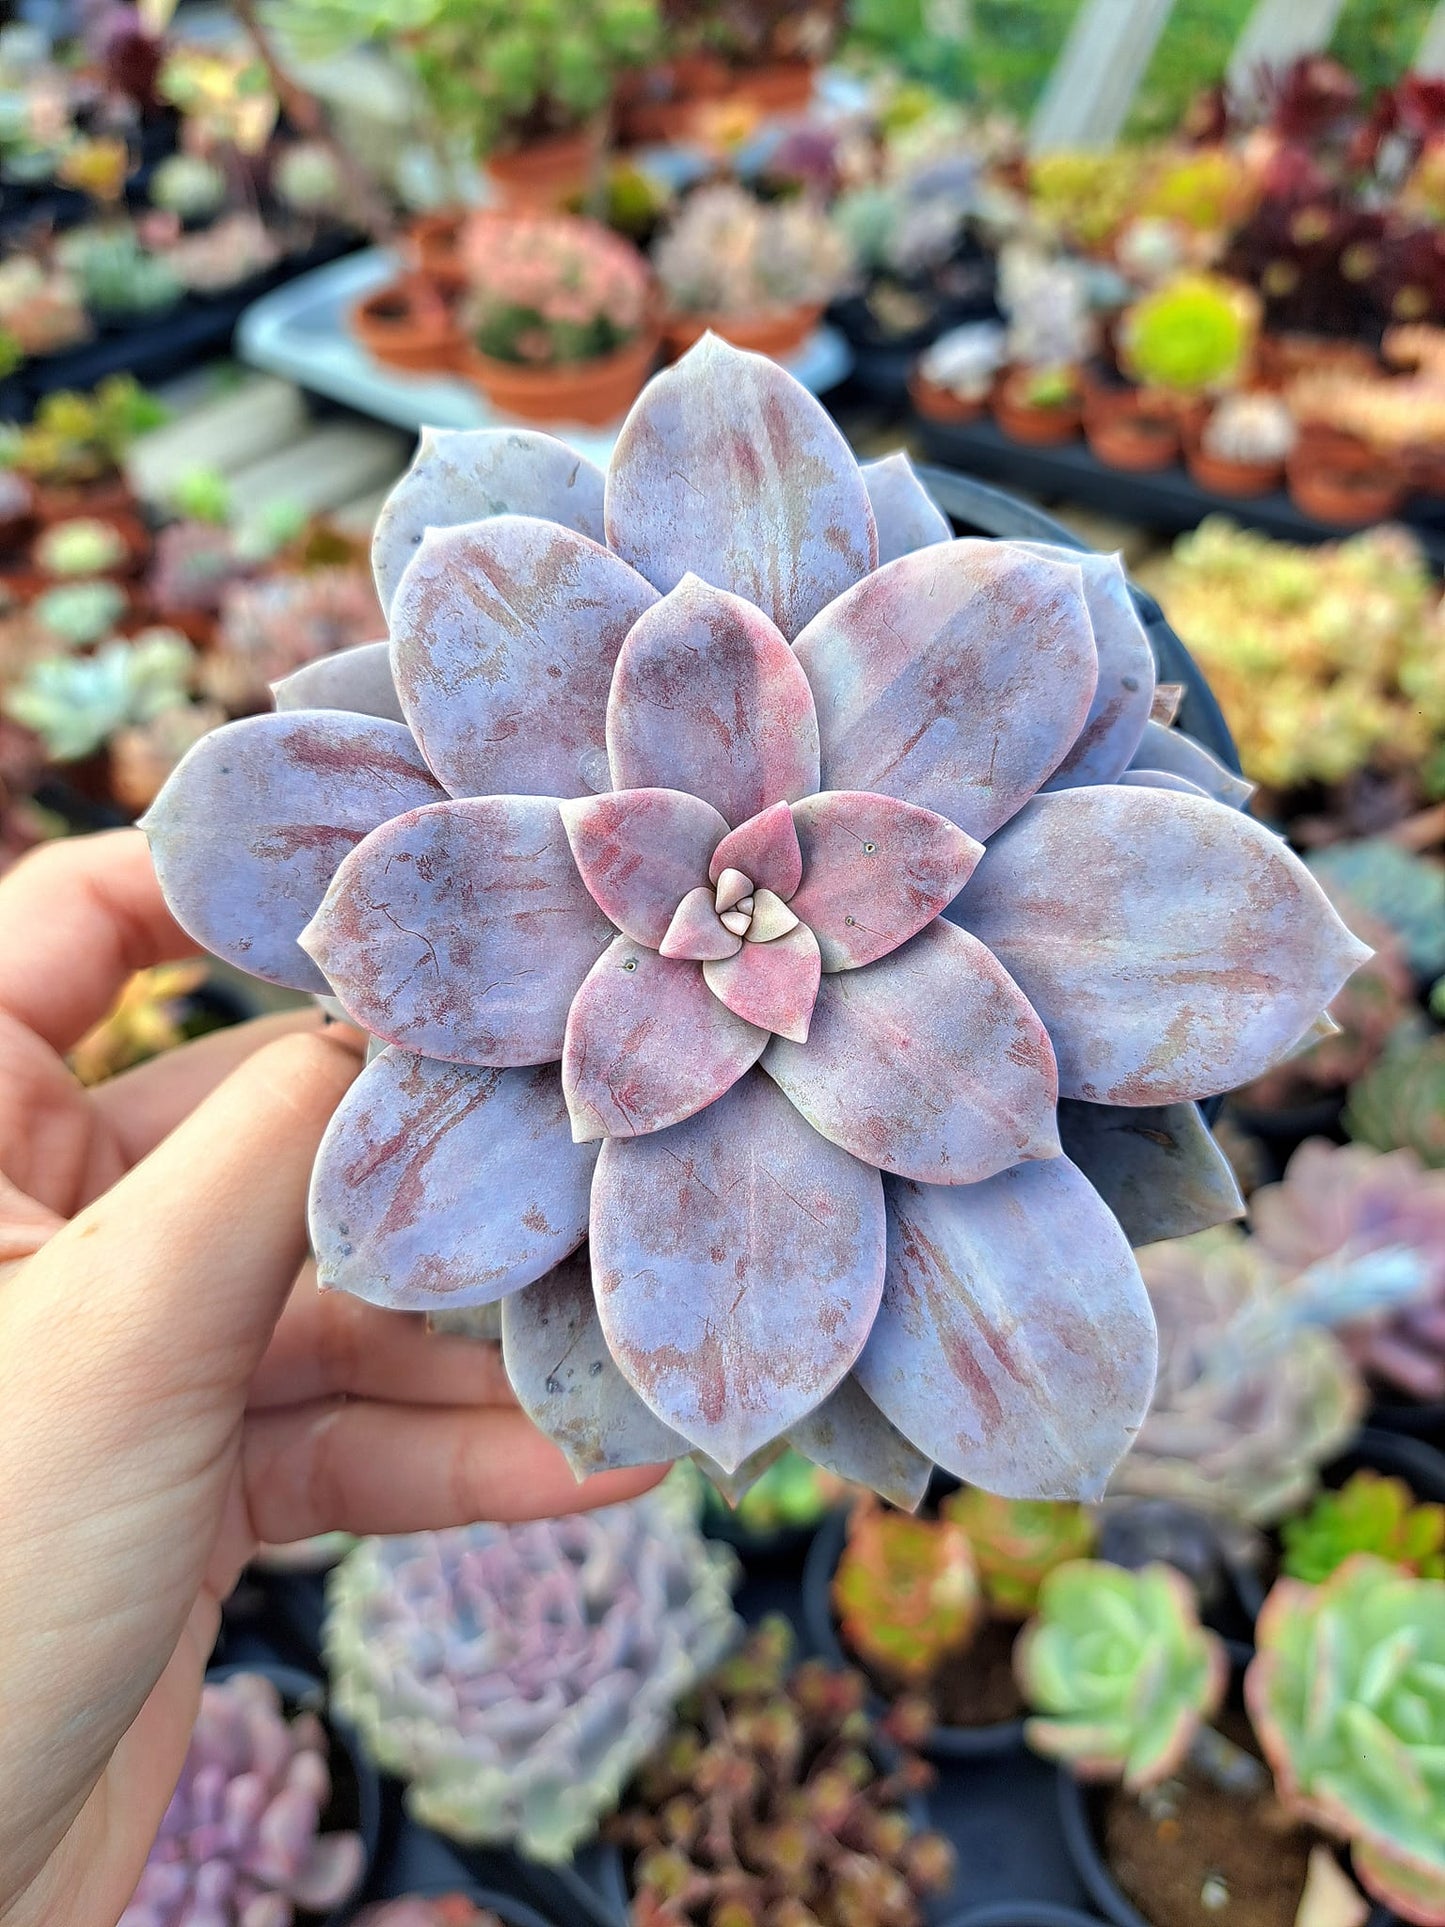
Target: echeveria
x=1347, y=1695
x=644, y=898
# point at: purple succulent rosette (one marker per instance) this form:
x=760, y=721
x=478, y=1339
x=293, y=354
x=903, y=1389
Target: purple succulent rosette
x=633, y=847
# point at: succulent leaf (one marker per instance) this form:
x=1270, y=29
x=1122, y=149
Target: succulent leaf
x=358, y=679
x=1156, y=1166
x=1358, y=1747
x=1170, y=752
x=1370, y=1513
x=954, y=679
x=698, y=1240
x=726, y=468
x=773, y=984
x=504, y=634
x=255, y=820
x=709, y=698
x=1016, y=1543
x=470, y=474
x=906, y=1592
x=1198, y=948
x=1000, y=1300
x=874, y=872
x=640, y=852
x=1120, y=1671
x=462, y=930
x=439, y=1186
x=928, y=1063
x=1124, y=694
x=763, y=850
x=849, y=1436
x=566, y=1381
x=906, y=515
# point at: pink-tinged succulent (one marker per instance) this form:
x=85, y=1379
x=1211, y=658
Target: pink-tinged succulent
x=644, y=897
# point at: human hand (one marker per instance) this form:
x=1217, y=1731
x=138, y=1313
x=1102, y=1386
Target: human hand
x=173, y=1387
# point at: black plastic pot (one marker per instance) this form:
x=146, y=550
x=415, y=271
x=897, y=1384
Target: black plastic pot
x=945, y=1742
x=1425, y=1422
x=303, y=1692
x=1021, y=1913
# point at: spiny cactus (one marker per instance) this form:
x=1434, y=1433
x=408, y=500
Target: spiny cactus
x=1400, y=1104
x=1341, y=1200
x=1250, y=429
x=75, y=703
x=659, y=943
x=730, y=253
x=1120, y=1671
x=240, y=1841
x=1251, y=1399
x=514, y=1676
x=548, y=289
x=1016, y=1543
x=906, y=1592
x=1370, y=1513
x=83, y=546
x=768, y=1803
x=1346, y=1700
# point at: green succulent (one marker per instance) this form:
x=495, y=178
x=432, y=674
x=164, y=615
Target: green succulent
x=1369, y=1513
x=1120, y=1671
x=1018, y=1542
x=1190, y=336
x=1400, y=1104
x=83, y=546
x=793, y=1492
x=202, y=494
x=78, y=438
x=76, y=703
x=1347, y=1696
x=188, y=185
x=119, y=279
x=906, y=1591
x=78, y=613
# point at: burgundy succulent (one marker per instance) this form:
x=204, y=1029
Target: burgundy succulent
x=644, y=896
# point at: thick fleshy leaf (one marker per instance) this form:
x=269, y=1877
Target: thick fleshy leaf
x=1156, y=1166
x=773, y=985
x=1124, y=696
x=470, y=474
x=765, y=850
x=1015, y=1344
x=462, y=931
x=735, y=1486
x=957, y=679
x=1173, y=947
x=356, y=679
x=566, y=1382
x=738, y=1262
x=771, y=919
x=906, y=515
x=729, y=469
x=1159, y=779
x=928, y=1063
x=696, y=930
x=848, y=1436
x=439, y=1185
x=503, y=639
x=648, y=1044
x=255, y=820
x=640, y=852
x=875, y=871
x=1175, y=753
x=708, y=698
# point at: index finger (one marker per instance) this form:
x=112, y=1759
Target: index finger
x=77, y=918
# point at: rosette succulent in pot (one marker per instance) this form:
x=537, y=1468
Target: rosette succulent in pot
x=632, y=849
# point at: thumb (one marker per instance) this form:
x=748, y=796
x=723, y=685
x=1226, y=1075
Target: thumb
x=173, y=1280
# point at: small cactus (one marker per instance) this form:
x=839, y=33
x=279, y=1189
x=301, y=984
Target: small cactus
x=240, y=1841
x=1370, y=1513
x=1345, y=1694
x=1120, y=1671
x=1251, y=429
x=1018, y=1542
x=906, y=1592
x=84, y=546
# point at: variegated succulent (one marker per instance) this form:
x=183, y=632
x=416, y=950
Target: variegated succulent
x=632, y=848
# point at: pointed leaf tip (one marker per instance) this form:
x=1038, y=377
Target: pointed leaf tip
x=906, y=515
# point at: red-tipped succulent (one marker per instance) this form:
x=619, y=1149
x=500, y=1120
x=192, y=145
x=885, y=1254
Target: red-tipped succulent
x=633, y=850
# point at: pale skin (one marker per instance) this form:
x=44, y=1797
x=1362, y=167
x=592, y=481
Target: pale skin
x=173, y=1388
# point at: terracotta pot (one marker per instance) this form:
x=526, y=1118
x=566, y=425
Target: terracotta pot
x=407, y=325
x=1344, y=495
x=939, y=404
x=1223, y=477
x=131, y=530
x=434, y=243
x=1024, y=421
x=661, y=104
x=108, y=495
x=780, y=87
x=1130, y=431
x=547, y=174
x=17, y=511
x=593, y=392
x=777, y=334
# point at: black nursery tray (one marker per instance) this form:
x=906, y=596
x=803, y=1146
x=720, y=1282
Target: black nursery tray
x=1168, y=499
